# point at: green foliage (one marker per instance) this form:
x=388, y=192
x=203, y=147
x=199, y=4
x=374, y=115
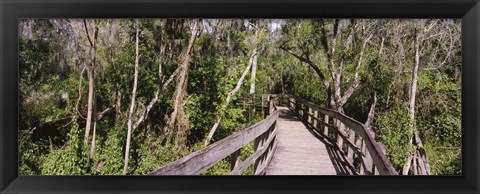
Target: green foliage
x=393, y=131
x=51, y=126
x=376, y=79
x=70, y=160
x=29, y=154
x=444, y=160
x=439, y=113
x=152, y=155
x=220, y=168
x=223, y=166
x=233, y=119
x=440, y=109
x=112, y=153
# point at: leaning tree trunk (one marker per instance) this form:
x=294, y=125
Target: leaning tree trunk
x=229, y=98
x=132, y=103
x=182, y=83
x=419, y=156
x=154, y=100
x=254, y=73
x=413, y=87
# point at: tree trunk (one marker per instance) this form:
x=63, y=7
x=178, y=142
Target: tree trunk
x=91, y=81
x=80, y=91
x=92, y=146
x=335, y=99
x=229, y=98
x=91, y=97
x=132, y=103
x=160, y=89
x=91, y=116
x=182, y=79
x=412, y=123
x=254, y=73
x=413, y=88
x=254, y=66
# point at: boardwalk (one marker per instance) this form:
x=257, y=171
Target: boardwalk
x=300, y=152
x=319, y=142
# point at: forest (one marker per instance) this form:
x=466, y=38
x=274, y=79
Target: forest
x=126, y=96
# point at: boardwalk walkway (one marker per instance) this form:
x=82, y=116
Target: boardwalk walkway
x=300, y=152
x=319, y=142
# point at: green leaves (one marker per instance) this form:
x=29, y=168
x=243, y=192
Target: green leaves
x=393, y=131
x=50, y=64
x=71, y=160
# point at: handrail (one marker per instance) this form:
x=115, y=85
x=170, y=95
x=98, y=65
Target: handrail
x=262, y=133
x=356, y=141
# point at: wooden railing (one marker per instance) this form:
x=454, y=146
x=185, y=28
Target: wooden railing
x=352, y=138
x=356, y=142
x=263, y=134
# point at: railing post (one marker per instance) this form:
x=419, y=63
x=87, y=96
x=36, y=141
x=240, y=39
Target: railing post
x=265, y=155
x=351, y=138
x=367, y=158
x=272, y=144
x=261, y=101
x=235, y=159
x=256, y=145
x=291, y=104
x=358, y=144
x=305, y=111
x=340, y=131
x=271, y=108
x=309, y=112
x=325, y=128
x=315, y=118
x=382, y=148
x=294, y=104
x=259, y=142
x=297, y=106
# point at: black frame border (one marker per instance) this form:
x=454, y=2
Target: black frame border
x=11, y=11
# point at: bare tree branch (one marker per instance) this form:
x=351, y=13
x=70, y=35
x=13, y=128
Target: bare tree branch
x=80, y=92
x=356, y=82
x=88, y=34
x=182, y=80
x=309, y=62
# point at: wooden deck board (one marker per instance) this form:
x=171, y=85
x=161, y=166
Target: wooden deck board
x=299, y=152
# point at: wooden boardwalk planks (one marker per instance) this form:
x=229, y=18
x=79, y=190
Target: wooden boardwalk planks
x=299, y=152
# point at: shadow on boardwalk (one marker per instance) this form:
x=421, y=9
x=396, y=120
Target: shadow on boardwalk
x=339, y=162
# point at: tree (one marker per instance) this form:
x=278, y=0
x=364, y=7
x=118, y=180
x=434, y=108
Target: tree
x=252, y=62
x=229, y=97
x=342, y=37
x=91, y=116
x=148, y=91
x=132, y=103
x=178, y=109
